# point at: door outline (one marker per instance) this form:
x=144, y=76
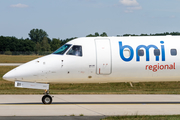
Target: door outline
x=98, y=71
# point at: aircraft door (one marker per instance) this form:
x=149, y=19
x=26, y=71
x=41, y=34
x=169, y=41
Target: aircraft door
x=103, y=56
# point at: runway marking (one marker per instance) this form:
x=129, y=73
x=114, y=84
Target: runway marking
x=91, y=103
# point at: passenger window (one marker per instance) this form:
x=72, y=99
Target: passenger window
x=173, y=52
x=126, y=53
x=156, y=52
x=76, y=50
x=140, y=52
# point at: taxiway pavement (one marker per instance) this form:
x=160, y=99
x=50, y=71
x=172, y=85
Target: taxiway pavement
x=90, y=105
x=10, y=64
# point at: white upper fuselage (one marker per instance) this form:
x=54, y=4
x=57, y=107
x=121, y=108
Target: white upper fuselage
x=106, y=59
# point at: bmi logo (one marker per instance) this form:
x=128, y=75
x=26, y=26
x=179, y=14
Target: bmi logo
x=122, y=47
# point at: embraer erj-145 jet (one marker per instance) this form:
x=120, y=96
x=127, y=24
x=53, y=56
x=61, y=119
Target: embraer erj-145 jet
x=101, y=60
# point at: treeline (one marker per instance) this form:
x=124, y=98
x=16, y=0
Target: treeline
x=15, y=46
x=40, y=43
x=157, y=34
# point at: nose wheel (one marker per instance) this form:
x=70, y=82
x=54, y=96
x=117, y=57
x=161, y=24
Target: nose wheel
x=46, y=99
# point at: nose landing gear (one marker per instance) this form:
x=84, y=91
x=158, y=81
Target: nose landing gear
x=46, y=99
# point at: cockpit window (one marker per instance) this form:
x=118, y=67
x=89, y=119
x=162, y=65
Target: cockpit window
x=62, y=49
x=76, y=50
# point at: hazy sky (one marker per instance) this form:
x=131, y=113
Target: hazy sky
x=78, y=18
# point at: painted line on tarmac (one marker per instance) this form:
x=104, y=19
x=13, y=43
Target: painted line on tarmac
x=81, y=104
x=96, y=103
x=11, y=64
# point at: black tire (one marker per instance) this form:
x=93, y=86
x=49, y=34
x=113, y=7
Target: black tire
x=46, y=99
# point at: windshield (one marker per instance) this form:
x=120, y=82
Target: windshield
x=76, y=50
x=62, y=49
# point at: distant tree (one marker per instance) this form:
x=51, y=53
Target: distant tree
x=104, y=34
x=96, y=34
x=126, y=34
x=25, y=45
x=37, y=48
x=175, y=33
x=144, y=35
x=49, y=40
x=90, y=35
x=55, y=44
x=37, y=35
x=8, y=43
x=130, y=35
x=67, y=40
x=29, y=45
x=157, y=34
x=45, y=45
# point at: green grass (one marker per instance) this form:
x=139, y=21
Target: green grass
x=7, y=87
x=144, y=117
x=17, y=58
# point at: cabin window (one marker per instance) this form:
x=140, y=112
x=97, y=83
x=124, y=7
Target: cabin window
x=173, y=52
x=76, y=50
x=62, y=49
x=126, y=53
x=156, y=52
x=140, y=52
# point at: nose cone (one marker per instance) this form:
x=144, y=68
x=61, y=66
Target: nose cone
x=23, y=72
x=10, y=76
x=37, y=70
x=5, y=77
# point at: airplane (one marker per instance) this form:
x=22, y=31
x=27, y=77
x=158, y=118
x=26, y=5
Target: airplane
x=102, y=60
